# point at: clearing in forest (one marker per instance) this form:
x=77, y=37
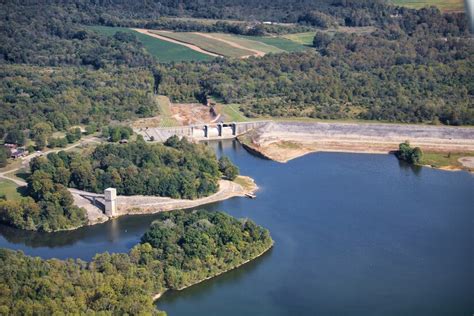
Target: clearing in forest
x=177, y=114
x=9, y=190
x=279, y=42
x=305, y=38
x=207, y=43
x=163, y=50
x=259, y=47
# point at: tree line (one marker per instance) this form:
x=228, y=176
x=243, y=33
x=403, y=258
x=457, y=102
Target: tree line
x=176, y=169
x=418, y=70
x=62, y=97
x=179, y=249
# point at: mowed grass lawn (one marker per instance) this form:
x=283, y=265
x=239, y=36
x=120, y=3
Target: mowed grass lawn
x=206, y=43
x=437, y=160
x=164, y=105
x=163, y=51
x=9, y=189
x=443, y=5
x=232, y=113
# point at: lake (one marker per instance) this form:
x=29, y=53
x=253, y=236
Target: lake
x=354, y=235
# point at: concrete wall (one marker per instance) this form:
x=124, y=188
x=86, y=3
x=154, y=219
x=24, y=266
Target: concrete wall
x=199, y=132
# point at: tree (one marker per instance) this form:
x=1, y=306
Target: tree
x=409, y=154
x=321, y=40
x=4, y=155
x=40, y=133
x=227, y=168
x=15, y=136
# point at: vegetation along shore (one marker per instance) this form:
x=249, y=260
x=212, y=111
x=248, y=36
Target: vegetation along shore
x=283, y=141
x=180, y=249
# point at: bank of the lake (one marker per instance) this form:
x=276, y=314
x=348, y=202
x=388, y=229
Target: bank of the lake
x=354, y=235
x=283, y=141
x=158, y=295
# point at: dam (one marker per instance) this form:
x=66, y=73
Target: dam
x=198, y=132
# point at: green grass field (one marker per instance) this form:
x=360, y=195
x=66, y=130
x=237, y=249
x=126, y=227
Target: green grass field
x=443, y=5
x=163, y=51
x=437, y=160
x=249, y=43
x=208, y=44
x=301, y=38
x=164, y=104
x=9, y=189
x=232, y=113
x=279, y=42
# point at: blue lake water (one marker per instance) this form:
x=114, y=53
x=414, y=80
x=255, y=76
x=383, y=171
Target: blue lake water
x=354, y=235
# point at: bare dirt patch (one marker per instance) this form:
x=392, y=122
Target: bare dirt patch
x=467, y=162
x=139, y=204
x=179, y=114
x=283, y=141
x=191, y=113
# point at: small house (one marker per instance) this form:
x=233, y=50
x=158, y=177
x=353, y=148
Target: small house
x=18, y=152
x=11, y=146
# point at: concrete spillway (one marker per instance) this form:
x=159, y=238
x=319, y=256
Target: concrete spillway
x=200, y=132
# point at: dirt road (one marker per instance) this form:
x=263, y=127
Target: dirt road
x=258, y=53
x=164, y=38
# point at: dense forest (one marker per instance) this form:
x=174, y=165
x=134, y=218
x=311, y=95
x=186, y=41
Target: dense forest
x=179, y=249
x=177, y=169
x=49, y=207
x=414, y=67
x=417, y=71
x=67, y=96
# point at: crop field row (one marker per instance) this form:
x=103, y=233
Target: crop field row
x=206, y=43
x=195, y=45
x=248, y=43
x=279, y=42
x=163, y=51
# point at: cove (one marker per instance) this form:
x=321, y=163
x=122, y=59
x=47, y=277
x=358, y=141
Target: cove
x=354, y=235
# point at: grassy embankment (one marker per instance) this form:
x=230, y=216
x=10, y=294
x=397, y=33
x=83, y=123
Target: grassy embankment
x=232, y=113
x=443, y=5
x=164, y=108
x=445, y=160
x=163, y=51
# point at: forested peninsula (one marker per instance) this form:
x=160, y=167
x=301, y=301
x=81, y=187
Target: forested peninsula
x=176, y=169
x=180, y=249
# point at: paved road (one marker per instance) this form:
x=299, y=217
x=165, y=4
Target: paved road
x=25, y=161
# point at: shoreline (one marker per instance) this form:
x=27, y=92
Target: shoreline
x=141, y=205
x=158, y=295
x=284, y=141
x=155, y=204
x=261, y=153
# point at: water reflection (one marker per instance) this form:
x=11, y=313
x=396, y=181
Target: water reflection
x=407, y=167
x=230, y=277
x=39, y=239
